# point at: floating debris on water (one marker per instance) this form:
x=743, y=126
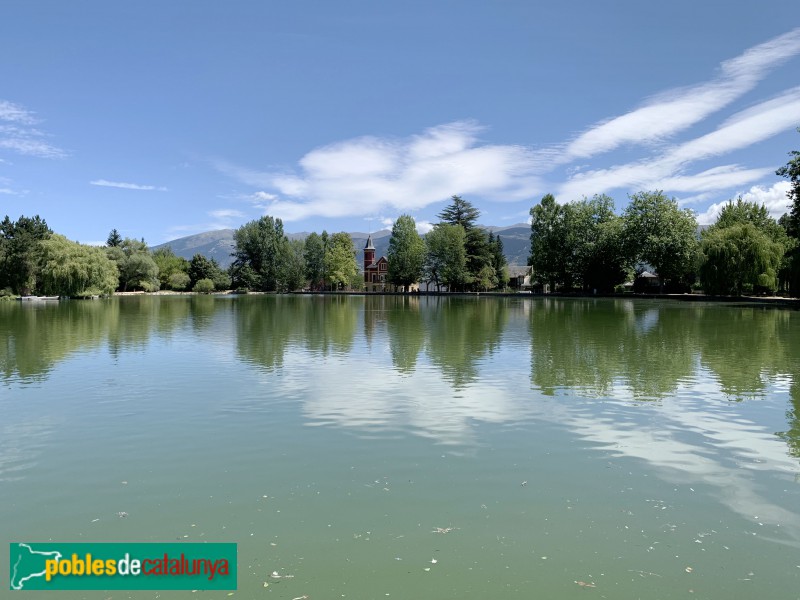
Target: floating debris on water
x=443, y=529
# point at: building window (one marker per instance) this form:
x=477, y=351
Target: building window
x=383, y=277
x=383, y=266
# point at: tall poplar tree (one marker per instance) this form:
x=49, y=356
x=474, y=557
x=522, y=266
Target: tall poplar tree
x=406, y=254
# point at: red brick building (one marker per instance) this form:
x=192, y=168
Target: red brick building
x=374, y=270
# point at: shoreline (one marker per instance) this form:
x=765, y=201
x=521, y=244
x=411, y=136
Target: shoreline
x=773, y=301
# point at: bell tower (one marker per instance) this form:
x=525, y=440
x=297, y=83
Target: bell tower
x=369, y=256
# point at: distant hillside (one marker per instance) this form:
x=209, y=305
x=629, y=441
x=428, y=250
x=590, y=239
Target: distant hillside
x=211, y=244
x=219, y=244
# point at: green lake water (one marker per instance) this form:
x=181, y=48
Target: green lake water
x=413, y=448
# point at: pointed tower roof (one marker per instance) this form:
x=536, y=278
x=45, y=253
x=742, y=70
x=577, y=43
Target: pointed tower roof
x=369, y=245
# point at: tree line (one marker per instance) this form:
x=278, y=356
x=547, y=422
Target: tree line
x=584, y=246
x=577, y=246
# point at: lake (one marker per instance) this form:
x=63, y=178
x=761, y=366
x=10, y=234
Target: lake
x=420, y=448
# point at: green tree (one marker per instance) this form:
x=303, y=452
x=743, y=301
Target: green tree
x=742, y=251
x=499, y=262
x=791, y=223
x=260, y=255
x=340, y=260
x=179, y=281
x=201, y=267
x=20, y=252
x=204, y=286
x=169, y=264
x=314, y=255
x=476, y=242
x=446, y=257
x=137, y=269
x=406, y=254
x=75, y=270
x=659, y=233
x=114, y=239
x=593, y=244
x=548, y=235
x=791, y=171
x=294, y=276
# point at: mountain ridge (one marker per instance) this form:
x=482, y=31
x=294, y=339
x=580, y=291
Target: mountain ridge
x=218, y=244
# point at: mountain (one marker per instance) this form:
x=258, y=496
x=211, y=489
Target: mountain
x=211, y=244
x=219, y=244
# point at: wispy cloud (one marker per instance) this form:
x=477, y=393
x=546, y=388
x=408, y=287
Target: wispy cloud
x=226, y=213
x=127, y=186
x=676, y=110
x=667, y=170
x=14, y=113
x=18, y=135
x=373, y=174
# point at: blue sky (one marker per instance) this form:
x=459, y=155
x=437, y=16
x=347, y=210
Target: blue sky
x=164, y=119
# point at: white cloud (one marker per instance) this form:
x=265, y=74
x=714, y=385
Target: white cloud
x=368, y=175
x=18, y=135
x=127, y=186
x=773, y=197
x=14, y=113
x=424, y=227
x=400, y=174
x=666, y=171
x=676, y=110
x=8, y=191
x=264, y=197
x=226, y=213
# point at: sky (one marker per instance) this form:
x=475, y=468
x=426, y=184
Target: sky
x=166, y=119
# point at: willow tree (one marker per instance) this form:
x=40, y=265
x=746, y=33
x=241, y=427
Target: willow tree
x=77, y=270
x=742, y=252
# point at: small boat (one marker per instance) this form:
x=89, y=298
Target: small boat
x=38, y=298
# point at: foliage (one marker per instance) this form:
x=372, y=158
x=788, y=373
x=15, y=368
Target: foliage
x=791, y=171
x=499, y=262
x=204, y=286
x=446, y=257
x=406, y=254
x=114, y=239
x=294, y=275
x=340, y=261
x=314, y=255
x=594, y=244
x=75, y=270
x=179, y=281
x=169, y=265
x=548, y=235
x=742, y=251
x=476, y=242
x=260, y=254
x=659, y=233
x=20, y=252
x=137, y=269
x=201, y=267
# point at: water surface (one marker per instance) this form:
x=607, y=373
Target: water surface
x=532, y=448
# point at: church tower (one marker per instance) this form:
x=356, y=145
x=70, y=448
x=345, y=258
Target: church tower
x=369, y=257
